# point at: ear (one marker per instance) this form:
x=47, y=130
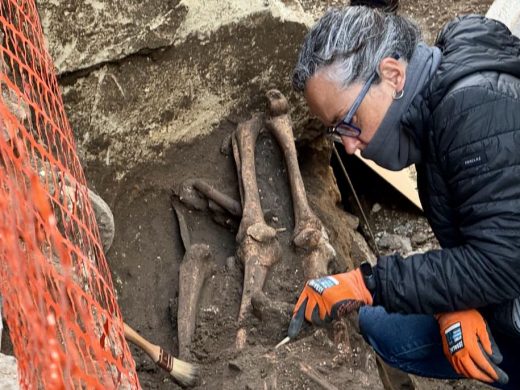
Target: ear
x=393, y=72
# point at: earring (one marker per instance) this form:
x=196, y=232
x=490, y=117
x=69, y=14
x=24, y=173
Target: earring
x=398, y=95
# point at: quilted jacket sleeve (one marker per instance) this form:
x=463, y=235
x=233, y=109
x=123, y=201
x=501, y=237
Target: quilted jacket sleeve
x=477, y=142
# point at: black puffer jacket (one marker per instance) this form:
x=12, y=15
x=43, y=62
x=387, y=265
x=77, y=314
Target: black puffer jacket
x=468, y=121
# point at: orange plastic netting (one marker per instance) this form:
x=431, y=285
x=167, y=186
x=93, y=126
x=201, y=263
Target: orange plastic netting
x=58, y=297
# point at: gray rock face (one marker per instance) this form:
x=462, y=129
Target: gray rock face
x=93, y=32
x=395, y=242
x=96, y=31
x=129, y=112
x=8, y=373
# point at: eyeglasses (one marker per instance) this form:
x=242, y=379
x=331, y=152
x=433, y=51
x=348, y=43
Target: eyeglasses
x=345, y=127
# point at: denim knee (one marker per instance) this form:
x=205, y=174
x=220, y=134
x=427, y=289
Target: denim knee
x=370, y=322
x=397, y=337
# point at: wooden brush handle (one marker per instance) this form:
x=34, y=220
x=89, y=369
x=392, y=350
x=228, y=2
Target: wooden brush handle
x=183, y=372
x=151, y=350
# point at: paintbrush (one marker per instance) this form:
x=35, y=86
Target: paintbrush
x=183, y=372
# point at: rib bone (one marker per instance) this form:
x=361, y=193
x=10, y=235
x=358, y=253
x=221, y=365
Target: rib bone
x=309, y=232
x=259, y=249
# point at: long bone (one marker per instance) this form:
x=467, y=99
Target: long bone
x=196, y=194
x=258, y=247
x=197, y=265
x=309, y=232
x=195, y=268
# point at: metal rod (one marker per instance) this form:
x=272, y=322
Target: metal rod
x=356, y=198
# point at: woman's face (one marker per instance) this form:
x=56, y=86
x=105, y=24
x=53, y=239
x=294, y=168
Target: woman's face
x=330, y=102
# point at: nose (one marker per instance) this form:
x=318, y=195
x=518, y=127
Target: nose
x=350, y=144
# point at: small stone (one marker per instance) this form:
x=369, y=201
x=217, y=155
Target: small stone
x=395, y=242
x=322, y=370
x=419, y=238
x=376, y=208
x=233, y=365
x=230, y=263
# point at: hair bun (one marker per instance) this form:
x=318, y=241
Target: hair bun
x=388, y=6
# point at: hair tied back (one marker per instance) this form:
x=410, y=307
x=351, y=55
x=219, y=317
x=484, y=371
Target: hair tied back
x=387, y=6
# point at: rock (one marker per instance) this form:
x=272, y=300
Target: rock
x=94, y=32
x=352, y=220
x=404, y=229
x=134, y=109
x=271, y=311
x=394, y=242
x=104, y=219
x=360, y=249
x=8, y=373
x=225, y=147
x=234, y=365
x=419, y=238
x=230, y=263
x=376, y=208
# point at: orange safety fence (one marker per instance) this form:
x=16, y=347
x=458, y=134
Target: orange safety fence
x=58, y=297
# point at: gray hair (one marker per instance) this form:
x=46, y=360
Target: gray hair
x=351, y=42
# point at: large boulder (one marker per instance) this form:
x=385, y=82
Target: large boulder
x=91, y=32
x=218, y=59
x=8, y=373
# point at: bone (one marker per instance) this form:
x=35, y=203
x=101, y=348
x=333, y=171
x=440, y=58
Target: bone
x=309, y=232
x=316, y=260
x=191, y=197
x=244, y=142
x=223, y=200
x=197, y=194
x=183, y=226
x=195, y=268
x=316, y=377
x=259, y=249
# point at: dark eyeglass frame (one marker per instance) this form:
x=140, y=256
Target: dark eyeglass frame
x=345, y=127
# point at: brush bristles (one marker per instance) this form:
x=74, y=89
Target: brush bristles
x=185, y=373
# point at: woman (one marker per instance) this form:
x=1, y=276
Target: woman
x=453, y=110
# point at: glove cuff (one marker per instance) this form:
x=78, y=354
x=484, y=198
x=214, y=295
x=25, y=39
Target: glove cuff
x=364, y=293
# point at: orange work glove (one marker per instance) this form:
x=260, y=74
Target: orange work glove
x=470, y=347
x=325, y=299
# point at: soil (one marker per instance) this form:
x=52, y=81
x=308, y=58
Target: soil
x=145, y=260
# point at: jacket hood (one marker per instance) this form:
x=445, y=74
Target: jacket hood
x=471, y=44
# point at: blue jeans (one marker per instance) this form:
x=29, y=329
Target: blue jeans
x=412, y=343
